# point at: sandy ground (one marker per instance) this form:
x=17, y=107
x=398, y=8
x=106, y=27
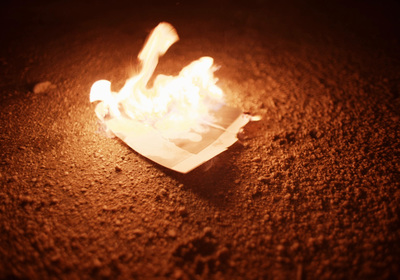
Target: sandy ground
x=309, y=192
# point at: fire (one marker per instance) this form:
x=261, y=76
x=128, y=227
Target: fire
x=175, y=106
x=181, y=121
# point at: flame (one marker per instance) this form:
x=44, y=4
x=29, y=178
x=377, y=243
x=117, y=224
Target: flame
x=175, y=106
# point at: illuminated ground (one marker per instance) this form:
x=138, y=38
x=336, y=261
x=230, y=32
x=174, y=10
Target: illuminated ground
x=312, y=191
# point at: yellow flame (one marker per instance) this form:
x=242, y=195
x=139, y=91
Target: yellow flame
x=174, y=105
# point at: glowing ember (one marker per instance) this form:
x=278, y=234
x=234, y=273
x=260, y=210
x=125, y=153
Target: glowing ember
x=181, y=121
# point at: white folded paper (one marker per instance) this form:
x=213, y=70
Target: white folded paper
x=181, y=154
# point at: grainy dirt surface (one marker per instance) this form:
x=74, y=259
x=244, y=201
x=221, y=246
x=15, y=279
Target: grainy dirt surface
x=309, y=192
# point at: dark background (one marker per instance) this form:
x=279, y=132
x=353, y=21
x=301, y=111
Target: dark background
x=309, y=192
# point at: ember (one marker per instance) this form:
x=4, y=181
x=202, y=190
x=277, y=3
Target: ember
x=181, y=122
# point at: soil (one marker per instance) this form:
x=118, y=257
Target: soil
x=311, y=191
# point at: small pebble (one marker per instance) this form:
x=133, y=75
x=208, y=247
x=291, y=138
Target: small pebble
x=43, y=87
x=182, y=211
x=171, y=233
x=256, y=159
x=207, y=230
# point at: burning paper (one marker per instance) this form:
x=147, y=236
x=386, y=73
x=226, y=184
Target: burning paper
x=182, y=121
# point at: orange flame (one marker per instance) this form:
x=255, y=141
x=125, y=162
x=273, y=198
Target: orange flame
x=177, y=107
